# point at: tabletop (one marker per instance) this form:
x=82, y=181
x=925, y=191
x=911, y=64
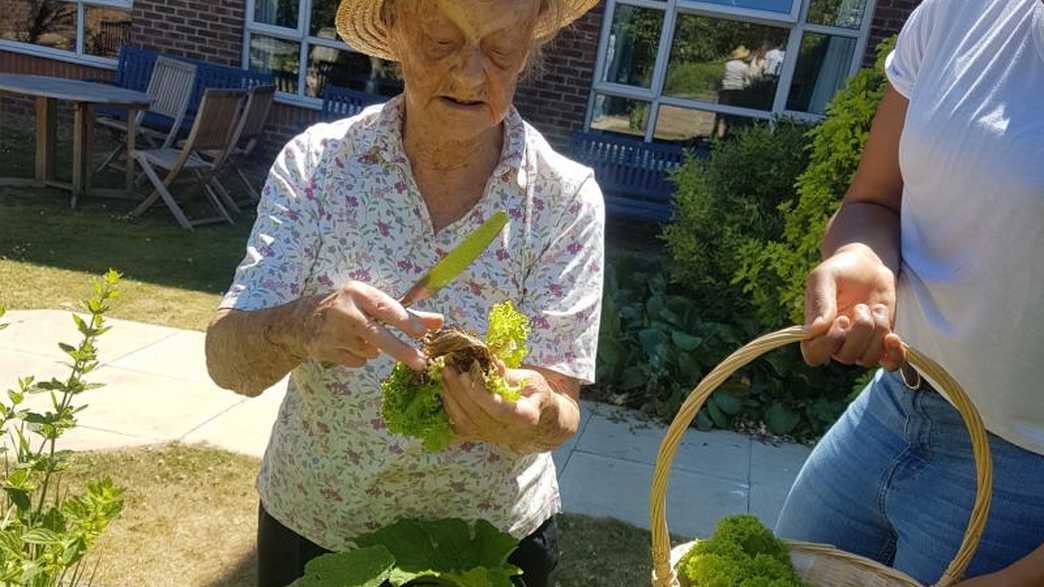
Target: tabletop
x=73, y=90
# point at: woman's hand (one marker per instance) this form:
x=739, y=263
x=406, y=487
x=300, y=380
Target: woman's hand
x=850, y=311
x=347, y=327
x=546, y=415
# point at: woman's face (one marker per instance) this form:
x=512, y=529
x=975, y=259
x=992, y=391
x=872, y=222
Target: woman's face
x=461, y=60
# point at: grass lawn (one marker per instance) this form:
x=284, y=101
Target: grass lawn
x=190, y=520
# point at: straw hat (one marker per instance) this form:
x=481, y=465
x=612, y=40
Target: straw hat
x=742, y=53
x=359, y=23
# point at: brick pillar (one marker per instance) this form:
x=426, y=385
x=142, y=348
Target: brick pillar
x=888, y=20
x=211, y=30
x=555, y=101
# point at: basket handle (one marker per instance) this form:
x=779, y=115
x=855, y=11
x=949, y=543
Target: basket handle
x=663, y=573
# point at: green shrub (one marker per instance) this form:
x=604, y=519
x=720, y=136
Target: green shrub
x=48, y=531
x=656, y=344
x=772, y=271
x=727, y=200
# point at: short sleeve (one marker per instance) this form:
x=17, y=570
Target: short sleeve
x=284, y=242
x=904, y=63
x=563, y=290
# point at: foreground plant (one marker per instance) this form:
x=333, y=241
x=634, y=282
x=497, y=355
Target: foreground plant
x=413, y=401
x=450, y=553
x=45, y=532
x=741, y=553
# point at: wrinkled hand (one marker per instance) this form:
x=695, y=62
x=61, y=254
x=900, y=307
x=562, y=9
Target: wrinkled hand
x=850, y=311
x=478, y=415
x=347, y=327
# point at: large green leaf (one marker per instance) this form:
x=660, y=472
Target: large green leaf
x=407, y=540
x=780, y=419
x=365, y=567
x=492, y=546
x=727, y=402
x=454, y=550
x=686, y=342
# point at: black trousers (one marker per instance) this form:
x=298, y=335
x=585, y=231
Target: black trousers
x=282, y=554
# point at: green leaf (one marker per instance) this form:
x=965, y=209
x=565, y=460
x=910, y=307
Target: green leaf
x=703, y=421
x=780, y=419
x=366, y=567
x=41, y=536
x=453, y=549
x=633, y=378
x=20, y=497
x=686, y=342
x=68, y=348
x=493, y=546
x=717, y=416
x=727, y=403
x=407, y=540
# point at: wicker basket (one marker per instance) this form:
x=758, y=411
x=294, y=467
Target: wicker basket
x=817, y=564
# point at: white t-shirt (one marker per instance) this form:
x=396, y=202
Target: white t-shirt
x=971, y=290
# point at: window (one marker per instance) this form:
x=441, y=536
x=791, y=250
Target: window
x=295, y=41
x=89, y=29
x=690, y=70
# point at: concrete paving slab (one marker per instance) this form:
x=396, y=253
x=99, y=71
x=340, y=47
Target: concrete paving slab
x=601, y=486
x=180, y=356
x=16, y=364
x=615, y=433
x=245, y=427
x=148, y=406
x=40, y=331
x=772, y=472
x=562, y=454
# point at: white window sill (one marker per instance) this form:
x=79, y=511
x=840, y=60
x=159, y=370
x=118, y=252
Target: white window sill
x=57, y=54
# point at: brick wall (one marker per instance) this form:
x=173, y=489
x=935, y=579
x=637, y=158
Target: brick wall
x=555, y=101
x=888, y=20
x=22, y=106
x=211, y=30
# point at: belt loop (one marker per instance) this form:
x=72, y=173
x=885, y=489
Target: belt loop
x=911, y=377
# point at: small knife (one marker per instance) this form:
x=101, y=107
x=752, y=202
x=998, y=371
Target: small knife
x=454, y=263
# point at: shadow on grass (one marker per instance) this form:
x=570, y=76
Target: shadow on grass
x=242, y=574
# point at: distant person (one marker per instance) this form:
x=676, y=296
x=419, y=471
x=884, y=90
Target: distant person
x=774, y=60
x=939, y=242
x=737, y=78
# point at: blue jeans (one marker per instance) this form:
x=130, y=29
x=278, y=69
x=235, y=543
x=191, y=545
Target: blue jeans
x=894, y=481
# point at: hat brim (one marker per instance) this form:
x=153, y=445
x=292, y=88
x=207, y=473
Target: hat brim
x=360, y=24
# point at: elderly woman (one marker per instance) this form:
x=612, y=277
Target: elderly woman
x=353, y=213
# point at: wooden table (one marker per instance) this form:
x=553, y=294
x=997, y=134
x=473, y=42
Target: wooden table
x=84, y=96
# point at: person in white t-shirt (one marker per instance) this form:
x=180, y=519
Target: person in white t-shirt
x=938, y=244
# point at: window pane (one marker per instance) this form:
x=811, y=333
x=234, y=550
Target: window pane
x=822, y=70
x=620, y=115
x=349, y=69
x=777, y=6
x=725, y=61
x=840, y=13
x=277, y=12
x=47, y=23
x=323, y=13
x=106, y=30
x=694, y=128
x=633, y=42
x=280, y=58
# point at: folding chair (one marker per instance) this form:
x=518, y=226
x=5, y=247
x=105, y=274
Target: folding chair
x=248, y=135
x=213, y=131
x=171, y=88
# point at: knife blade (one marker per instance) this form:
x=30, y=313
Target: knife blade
x=456, y=261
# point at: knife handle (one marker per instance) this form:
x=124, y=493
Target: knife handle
x=414, y=295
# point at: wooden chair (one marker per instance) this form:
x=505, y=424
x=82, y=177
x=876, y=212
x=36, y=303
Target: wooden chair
x=171, y=87
x=213, y=131
x=248, y=136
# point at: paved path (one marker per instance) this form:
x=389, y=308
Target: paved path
x=157, y=390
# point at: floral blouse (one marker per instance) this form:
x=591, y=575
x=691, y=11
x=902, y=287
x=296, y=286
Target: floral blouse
x=341, y=205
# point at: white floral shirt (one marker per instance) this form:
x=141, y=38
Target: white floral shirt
x=340, y=205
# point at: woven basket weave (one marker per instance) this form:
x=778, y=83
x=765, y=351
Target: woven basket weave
x=819, y=565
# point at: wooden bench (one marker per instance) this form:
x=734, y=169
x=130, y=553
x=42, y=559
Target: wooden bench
x=134, y=70
x=341, y=102
x=634, y=175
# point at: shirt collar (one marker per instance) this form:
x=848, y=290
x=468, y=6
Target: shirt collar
x=388, y=143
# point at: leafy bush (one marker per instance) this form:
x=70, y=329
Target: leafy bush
x=449, y=552
x=656, y=344
x=727, y=200
x=46, y=531
x=772, y=270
